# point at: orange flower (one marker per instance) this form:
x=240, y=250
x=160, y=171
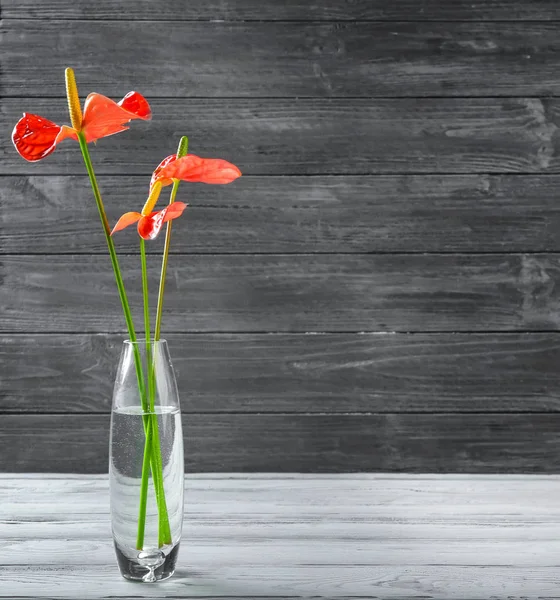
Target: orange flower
x=194, y=168
x=150, y=225
x=36, y=137
x=187, y=168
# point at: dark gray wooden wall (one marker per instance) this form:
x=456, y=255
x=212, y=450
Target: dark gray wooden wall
x=380, y=291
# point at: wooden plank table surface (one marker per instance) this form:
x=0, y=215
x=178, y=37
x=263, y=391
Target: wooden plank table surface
x=293, y=536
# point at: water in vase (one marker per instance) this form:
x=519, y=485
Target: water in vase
x=155, y=559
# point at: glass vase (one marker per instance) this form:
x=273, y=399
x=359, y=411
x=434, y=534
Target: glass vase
x=146, y=468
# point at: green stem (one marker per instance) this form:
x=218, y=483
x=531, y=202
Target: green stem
x=115, y=263
x=148, y=451
x=145, y=294
x=146, y=298
x=164, y=529
x=181, y=151
x=155, y=464
x=144, y=489
x=161, y=291
x=152, y=447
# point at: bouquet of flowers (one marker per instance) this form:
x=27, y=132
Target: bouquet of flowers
x=35, y=138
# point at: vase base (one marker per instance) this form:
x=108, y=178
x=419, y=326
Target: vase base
x=147, y=566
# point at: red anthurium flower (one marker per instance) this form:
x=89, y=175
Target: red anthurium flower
x=194, y=168
x=150, y=225
x=186, y=168
x=35, y=137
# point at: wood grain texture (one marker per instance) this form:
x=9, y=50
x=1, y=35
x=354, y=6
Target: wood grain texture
x=296, y=536
x=283, y=59
x=329, y=443
x=369, y=133
x=316, y=136
x=366, y=536
x=240, y=293
x=401, y=582
x=296, y=373
x=326, y=10
x=404, y=213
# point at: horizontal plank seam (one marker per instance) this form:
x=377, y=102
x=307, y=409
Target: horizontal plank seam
x=312, y=21
x=303, y=332
x=280, y=254
x=297, y=414
x=101, y=173
x=334, y=176
x=245, y=596
x=291, y=475
x=317, y=97
x=528, y=332
x=517, y=252
x=403, y=566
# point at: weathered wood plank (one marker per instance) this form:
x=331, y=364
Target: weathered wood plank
x=399, y=582
x=296, y=373
x=368, y=536
x=401, y=529
x=471, y=443
x=283, y=59
x=317, y=136
x=297, y=214
x=243, y=293
x=247, y=10
x=456, y=498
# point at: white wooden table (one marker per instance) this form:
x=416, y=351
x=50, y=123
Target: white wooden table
x=271, y=536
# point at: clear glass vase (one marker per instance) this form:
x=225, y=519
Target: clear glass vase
x=146, y=468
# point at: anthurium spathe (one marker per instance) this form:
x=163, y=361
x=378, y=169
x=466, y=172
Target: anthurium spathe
x=186, y=168
x=36, y=137
x=150, y=222
x=195, y=169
